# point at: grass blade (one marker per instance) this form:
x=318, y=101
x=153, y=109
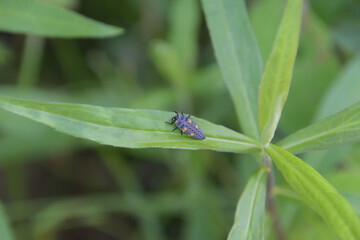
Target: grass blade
x=249, y=218
x=336, y=130
x=39, y=18
x=238, y=56
x=275, y=82
x=127, y=127
x=317, y=193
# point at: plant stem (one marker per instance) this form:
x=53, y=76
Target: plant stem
x=270, y=201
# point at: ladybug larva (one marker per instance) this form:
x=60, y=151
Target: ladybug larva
x=187, y=126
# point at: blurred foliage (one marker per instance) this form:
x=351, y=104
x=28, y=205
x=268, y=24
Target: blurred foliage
x=54, y=186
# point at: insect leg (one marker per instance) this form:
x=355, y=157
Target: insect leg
x=182, y=113
x=189, y=116
x=176, y=112
x=169, y=122
x=174, y=129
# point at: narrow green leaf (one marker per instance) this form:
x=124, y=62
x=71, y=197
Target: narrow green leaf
x=5, y=230
x=166, y=59
x=311, y=75
x=275, y=82
x=343, y=92
x=238, y=56
x=40, y=18
x=317, y=193
x=127, y=127
x=184, y=27
x=250, y=212
x=336, y=130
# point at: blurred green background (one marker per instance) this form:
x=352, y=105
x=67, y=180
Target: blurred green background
x=54, y=186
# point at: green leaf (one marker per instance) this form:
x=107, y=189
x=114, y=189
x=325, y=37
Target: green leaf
x=336, y=130
x=343, y=92
x=275, y=82
x=184, y=27
x=130, y=128
x=250, y=212
x=166, y=59
x=238, y=56
x=5, y=230
x=39, y=18
x=317, y=193
x=312, y=74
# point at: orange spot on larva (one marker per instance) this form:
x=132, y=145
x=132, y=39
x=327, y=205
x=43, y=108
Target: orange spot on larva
x=185, y=128
x=191, y=134
x=189, y=120
x=196, y=126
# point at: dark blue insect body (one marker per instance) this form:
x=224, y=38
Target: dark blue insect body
x=187, y=126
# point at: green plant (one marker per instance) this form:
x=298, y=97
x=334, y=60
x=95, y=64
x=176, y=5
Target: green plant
x=258, y=96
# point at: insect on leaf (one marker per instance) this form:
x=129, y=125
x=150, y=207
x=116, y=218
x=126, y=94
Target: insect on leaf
x=132, y=128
